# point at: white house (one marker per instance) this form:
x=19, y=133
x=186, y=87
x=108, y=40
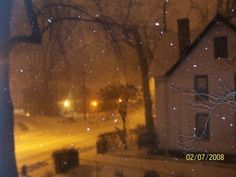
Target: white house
x=194, y=101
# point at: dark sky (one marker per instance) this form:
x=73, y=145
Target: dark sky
x=93, y=53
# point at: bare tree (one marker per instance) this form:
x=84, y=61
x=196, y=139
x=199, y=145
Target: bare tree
x=46, y=60
x=204, y=9
x=190, y=142
x=122, y=20
x=123, y=28
x=226, y=7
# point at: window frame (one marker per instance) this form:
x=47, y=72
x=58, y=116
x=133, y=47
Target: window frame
x=220, y=44
x=203, y=97
x=207, y=136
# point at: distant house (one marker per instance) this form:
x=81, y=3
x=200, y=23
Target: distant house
x=194, y=101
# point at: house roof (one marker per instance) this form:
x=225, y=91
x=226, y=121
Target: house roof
x=218, y=18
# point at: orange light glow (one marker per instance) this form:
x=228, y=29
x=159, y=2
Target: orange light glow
x=94, y=103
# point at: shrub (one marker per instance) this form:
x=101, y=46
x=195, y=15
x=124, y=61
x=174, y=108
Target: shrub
x=146, y=139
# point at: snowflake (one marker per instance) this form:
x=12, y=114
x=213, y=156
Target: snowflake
x=223, y=118
x=157, y=24
x=194, y=65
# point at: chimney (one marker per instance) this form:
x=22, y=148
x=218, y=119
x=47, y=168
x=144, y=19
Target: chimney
x=183, y=35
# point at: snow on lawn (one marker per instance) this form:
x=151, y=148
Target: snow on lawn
x=44, y=124
x=37, y=137
x=117, y=163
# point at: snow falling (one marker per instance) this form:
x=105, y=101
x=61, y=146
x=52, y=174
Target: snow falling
x=117, y=88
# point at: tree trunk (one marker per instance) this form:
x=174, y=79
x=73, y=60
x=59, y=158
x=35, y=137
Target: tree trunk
x=7, y=149
x=145, y=79
x=48, y=102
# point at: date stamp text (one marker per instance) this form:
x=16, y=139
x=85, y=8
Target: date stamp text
x=204, y=157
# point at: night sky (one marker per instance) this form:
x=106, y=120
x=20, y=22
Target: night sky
x=92, y=52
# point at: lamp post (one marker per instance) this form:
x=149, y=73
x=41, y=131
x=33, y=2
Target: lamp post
x=123, y=113
x=67, y=106
x=94, y=104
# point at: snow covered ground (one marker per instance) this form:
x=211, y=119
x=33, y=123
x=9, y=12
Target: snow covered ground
x=37, y=137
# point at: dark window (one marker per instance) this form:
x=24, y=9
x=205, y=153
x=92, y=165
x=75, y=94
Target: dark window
x=220, y=47
x=201, y=87
x=202, y=126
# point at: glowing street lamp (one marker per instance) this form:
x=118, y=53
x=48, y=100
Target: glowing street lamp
x=120, y=100
x=27, y=114
x=66, y=104
x=94, y=103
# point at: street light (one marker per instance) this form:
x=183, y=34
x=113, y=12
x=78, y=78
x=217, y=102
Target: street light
x=120, y=100
x=68, y=108
x=27, y=114
x=66, y=104
x=94, y=103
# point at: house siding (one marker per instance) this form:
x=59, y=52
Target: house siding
x=176, y=117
